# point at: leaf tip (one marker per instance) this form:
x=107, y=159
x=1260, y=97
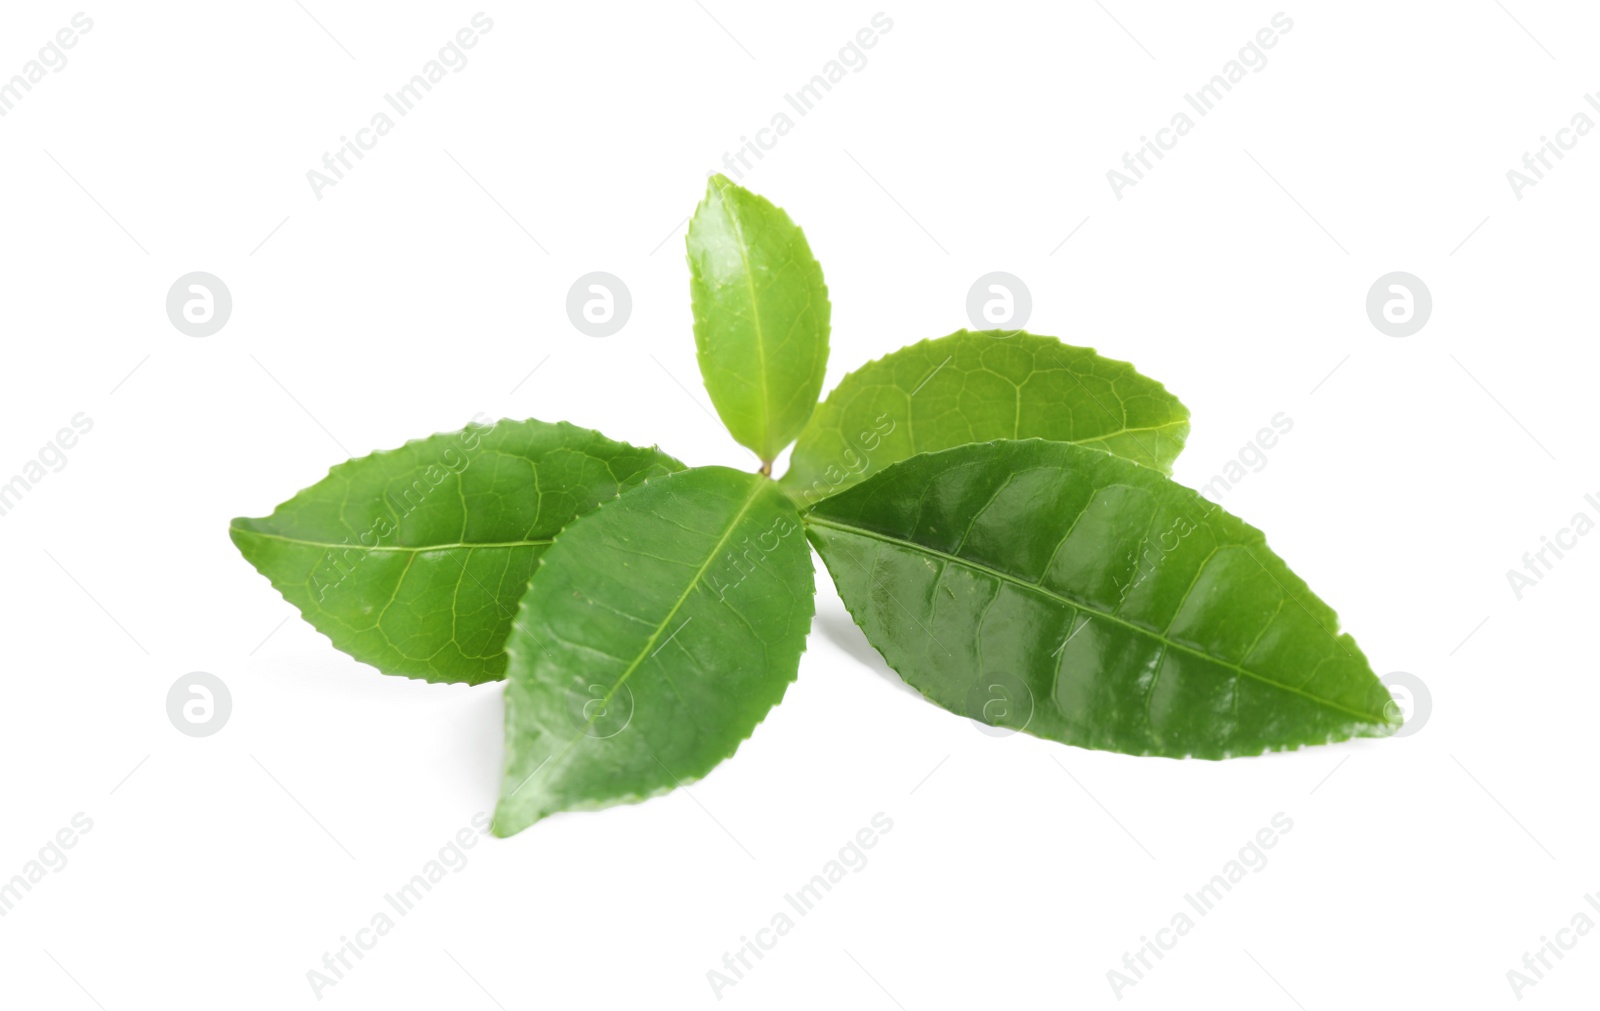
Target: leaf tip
x=501, y=826
x=243, y=526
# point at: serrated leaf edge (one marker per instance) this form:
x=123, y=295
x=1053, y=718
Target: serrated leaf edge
x=640, y=797
x=1340, y=636
x=375, y=454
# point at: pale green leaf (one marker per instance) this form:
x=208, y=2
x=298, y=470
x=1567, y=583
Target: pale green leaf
x=760, y=316
x=975, y=387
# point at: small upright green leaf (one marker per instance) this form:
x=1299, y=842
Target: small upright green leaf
x=413, y=560
x=975, y=387
x=760, y=316
x=1085, y=599
x=659, y=631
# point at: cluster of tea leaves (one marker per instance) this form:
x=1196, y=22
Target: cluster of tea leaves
x=993, y=507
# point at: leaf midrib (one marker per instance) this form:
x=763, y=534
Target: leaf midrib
x=755, y=318
x=813, y=520
x=394, y=548
x=1129, y=429
x=644, y=651
x=788, y=480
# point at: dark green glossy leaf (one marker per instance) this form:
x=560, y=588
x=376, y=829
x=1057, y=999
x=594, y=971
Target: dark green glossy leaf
x=760, y=316
x=1096, y=601
x=976, y=387
x=659, y=631
x=413, y=560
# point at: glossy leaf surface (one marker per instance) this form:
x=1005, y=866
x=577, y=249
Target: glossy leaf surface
x=760, y=316
x=1081, y=597
x=658, y=632
x=976, y=387
x=413, y=560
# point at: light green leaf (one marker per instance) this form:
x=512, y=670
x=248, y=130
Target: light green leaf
x=659, y=631
x=1081, y=597
x=760, y=316
x=413, y=560
x=975, y=387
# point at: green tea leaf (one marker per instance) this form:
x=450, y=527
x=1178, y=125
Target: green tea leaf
x=413, y=559
x=976, y=387
x=659, y=631
x=1086, y=599
x=760, y=316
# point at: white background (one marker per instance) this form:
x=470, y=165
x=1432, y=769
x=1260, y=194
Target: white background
x=416, y=294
